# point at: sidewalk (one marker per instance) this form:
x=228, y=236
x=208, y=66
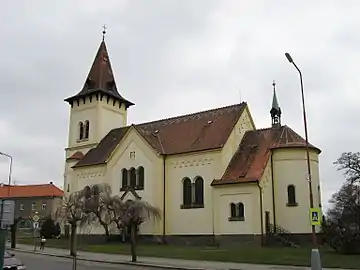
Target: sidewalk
x=164, y=263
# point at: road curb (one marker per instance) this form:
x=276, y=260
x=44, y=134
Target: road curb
x=112, y=262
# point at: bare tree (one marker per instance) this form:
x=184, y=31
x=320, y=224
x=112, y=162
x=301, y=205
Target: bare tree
x=71, y=211
x=134, y=213
x=116, y=211
x=349, y=163
x=97, y=199
x=342, y=226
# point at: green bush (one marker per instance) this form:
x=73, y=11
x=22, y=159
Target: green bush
x=48, y=228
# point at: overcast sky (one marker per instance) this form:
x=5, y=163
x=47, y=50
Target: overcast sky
x=175, y=57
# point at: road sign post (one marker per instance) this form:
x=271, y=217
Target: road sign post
x=7, y=212
x=315, y=220
x=315, y=216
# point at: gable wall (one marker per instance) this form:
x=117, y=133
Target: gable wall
x=244, y=124
x=144, y=156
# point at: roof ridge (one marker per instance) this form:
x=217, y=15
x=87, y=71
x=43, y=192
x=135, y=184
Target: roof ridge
x=268, y=128
x=192, y=114
x=34, y=185
x=177, y=117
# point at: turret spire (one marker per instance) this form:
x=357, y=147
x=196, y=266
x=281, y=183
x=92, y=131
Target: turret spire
x=275, y=111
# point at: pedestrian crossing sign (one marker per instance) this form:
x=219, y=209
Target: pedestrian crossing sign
x=315, y=216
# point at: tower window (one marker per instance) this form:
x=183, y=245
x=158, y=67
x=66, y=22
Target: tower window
x=87, y=128
x=81, y=130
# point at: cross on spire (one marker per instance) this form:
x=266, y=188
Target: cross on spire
x=104, y=31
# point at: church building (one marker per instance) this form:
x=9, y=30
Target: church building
x=212, y=174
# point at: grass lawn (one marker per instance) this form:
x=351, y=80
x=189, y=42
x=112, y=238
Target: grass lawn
x=281, y=256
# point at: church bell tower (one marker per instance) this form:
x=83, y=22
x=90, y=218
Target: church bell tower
x=275, y=111
x=95, y=110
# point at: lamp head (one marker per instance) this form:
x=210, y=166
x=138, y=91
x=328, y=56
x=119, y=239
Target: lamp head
x=288, y=56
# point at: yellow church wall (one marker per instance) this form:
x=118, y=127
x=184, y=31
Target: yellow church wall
x=290, y=167
x=144, y=156
x=89, y=175
x=244, y=124
x=103, y=115
x=196, y=220
x=110, y=116
x=69, y=184
x=248, y=194
x=69, y=175
x=81, y=113
x=267, y=194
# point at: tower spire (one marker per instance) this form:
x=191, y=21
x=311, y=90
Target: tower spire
x=100, y=80
x=275, y=111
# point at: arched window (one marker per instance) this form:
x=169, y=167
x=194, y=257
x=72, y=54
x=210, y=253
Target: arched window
x=241, y=210
x=132, y=177
x=237, y=212
x=81, y=131
x=232, y=210
x=199, y=191
x=141, y=175
x=187, y=192
x=124, y=179
x=291, y=195
x=87, y=128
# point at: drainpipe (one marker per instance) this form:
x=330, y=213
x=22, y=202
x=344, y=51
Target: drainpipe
x=261, y=213
x=163, y=153
x=273, y=189
x=213, y=214
x=164, y=199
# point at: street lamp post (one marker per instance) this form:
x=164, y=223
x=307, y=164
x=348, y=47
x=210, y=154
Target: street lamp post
x=3, y=231
x=315, y=255
x=10, y=170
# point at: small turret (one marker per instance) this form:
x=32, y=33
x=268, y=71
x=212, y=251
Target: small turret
x=275, y=111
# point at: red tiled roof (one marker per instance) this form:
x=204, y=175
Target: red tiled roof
x=187, y=133
x=76, y=156
x=250, y=159
x=26, y=191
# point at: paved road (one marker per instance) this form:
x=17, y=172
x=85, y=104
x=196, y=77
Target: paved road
x=38, y=261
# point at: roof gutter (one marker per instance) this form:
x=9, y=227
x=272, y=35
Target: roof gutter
x=164, y=199
x=164, y=188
